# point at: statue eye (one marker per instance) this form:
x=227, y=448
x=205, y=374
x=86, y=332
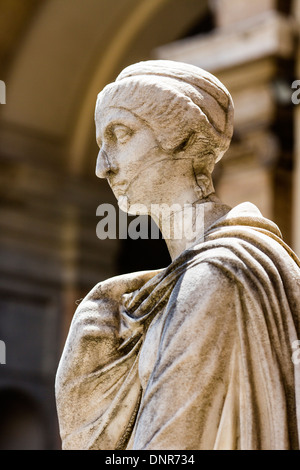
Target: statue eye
x=122, y=133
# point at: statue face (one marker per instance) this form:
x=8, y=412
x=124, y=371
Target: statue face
x=128, y=148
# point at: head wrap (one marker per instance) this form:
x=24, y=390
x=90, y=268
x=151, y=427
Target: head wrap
x=176, y=100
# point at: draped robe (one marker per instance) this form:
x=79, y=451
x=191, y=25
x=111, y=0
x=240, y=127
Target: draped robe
x=194, y=356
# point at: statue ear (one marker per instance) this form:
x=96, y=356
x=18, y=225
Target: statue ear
x=185, y=143
x=203, y=167
x=204, y=163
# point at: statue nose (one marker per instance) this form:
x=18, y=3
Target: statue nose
x=104, y=167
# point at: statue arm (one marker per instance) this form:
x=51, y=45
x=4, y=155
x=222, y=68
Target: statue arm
x=94, y=378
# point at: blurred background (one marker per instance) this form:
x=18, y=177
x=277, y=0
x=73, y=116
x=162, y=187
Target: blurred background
x=55, y=56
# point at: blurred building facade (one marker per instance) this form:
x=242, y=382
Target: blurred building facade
x=55, y=56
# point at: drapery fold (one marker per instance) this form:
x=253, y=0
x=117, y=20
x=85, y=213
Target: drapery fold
x=217, y=328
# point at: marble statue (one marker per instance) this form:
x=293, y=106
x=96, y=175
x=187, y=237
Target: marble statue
x=197, y=355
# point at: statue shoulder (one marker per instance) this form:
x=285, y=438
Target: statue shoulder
x=203, y=284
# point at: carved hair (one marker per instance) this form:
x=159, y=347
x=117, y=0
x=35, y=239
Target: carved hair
x=188, y=109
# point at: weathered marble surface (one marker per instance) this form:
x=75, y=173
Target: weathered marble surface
x=197, y=355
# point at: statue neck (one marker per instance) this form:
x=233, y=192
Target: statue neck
x=183, y=225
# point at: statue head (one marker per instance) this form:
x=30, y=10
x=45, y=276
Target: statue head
x=188, y=110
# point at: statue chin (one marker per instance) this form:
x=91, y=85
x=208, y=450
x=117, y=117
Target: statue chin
x=125, y=206
x=131, y=209
x=123, y=203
